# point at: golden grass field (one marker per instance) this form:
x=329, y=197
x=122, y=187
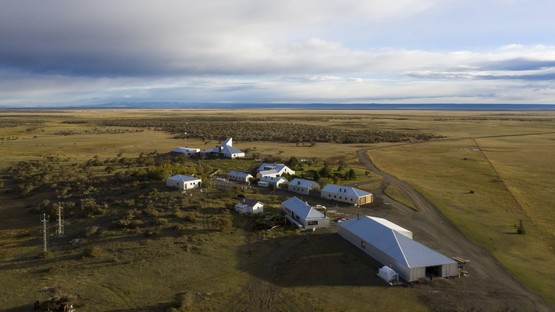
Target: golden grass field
x=505, y=158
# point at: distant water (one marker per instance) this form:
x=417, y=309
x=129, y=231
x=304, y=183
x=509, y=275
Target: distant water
x=338, y=106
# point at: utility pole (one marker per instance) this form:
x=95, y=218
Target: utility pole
x=44, y=236
x=60, y=230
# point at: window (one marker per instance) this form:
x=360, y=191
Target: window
x=312, y=223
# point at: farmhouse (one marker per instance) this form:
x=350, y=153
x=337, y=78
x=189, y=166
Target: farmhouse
x=346, y=194
x=273, y=170
x=276, y=182
x=392, y=245
x=186, y=151
x=239, y=176
x=303, y=215
x=303, y=186
x=183, y=182
x=249, y=206
x=225, y=150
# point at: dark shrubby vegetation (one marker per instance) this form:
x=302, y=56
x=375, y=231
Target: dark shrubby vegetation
x=240, y=130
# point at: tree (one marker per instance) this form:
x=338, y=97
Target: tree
x=325, y=171
x=293, y=163
x=351, y=175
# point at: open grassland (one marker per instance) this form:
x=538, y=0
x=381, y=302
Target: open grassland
x=486, y=185
x=483, y=185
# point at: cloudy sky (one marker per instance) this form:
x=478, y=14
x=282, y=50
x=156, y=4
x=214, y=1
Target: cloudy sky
x=73, y=52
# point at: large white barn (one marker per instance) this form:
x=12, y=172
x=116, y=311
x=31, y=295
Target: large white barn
x=392, y=245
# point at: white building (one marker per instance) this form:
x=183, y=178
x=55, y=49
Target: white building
x=239, y=176
x=302, y=186
x=225, y=150
x=249, y=206
x=186, y=151
x=183, y=182
x=346, y=194
x=386, y=244
x=276, y=182
x=273, y=170
x=303, y=215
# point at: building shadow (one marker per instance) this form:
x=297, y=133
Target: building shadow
x=308, y=259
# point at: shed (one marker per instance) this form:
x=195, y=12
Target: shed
x=249, y=206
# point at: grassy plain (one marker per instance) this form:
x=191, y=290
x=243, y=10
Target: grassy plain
x=509, y=172
x=486, y=178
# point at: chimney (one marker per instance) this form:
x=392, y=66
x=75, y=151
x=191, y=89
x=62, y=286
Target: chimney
x=358, y=216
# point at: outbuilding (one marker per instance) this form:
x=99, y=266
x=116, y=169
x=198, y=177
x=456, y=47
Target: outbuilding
x=239, y=176
x=183, y=182
x=346, y=194
x=407, y=257
x=303, y=215
x=186, y=151
x=302, y=186
x=249, y=206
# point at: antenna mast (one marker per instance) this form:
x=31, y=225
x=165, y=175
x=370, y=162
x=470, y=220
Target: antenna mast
x=60, y=230
x=44, y=240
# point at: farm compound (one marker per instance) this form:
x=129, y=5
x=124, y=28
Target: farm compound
x=386, y=243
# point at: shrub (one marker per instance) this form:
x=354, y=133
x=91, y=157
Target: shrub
x=92, y=252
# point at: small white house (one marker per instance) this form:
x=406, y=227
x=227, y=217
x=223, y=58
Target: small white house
x=226, y=150
x=186, y=151
x=302, y=186
x=273, y=170
x=239, y=176
x=302, y=215
x=183, y=182
x=346, y=194
x=249, y=206
x=276, y=182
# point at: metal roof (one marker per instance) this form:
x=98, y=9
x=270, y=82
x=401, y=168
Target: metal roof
x=302, y=183
x=396, y=245
x=183, y=178
x=341, y=189
x=302, y=209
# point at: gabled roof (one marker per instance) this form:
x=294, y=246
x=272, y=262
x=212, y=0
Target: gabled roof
x=396, y=245
x=228, y=149
x=183, y=178
x=185, y=150
x=273, y=180
x=228, y=141
x=302, y=183
x=239, y=174
x=249, y=202
x=341, y=189
x=302, y=209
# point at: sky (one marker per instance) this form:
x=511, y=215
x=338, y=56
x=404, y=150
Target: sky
x=75, y=52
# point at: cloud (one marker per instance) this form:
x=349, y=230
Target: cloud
x=66, y=52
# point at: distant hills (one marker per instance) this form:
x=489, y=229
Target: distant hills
x=320, y=106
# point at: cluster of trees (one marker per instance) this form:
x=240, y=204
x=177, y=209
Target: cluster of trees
x=98, y=131
x=240, y=130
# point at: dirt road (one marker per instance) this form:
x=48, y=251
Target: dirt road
x=489, y=282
